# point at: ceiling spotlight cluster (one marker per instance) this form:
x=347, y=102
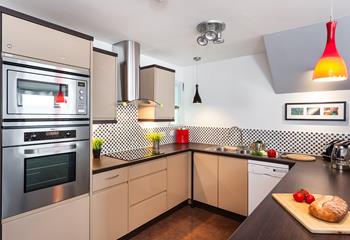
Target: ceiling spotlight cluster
x=210, y=31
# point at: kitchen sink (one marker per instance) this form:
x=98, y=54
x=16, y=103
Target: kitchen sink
x=229, y=149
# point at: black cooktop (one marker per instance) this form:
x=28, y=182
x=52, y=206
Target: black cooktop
x=134, y=154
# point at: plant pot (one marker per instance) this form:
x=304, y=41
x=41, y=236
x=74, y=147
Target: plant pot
x=155, y=147
x=96, y=153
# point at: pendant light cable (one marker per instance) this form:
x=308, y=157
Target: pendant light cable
x=332, y=10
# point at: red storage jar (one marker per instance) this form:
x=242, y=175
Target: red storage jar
x=182, y=135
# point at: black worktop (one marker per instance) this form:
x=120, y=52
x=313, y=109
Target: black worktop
x=269, y=220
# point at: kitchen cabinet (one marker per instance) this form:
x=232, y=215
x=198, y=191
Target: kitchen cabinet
x=66, y=220
x=177, y=179
x=205, y=174
x=147, y=191
x=110, y=205
x=104, y=86
x=157, y=83
x=233, y=185
x=28, y=39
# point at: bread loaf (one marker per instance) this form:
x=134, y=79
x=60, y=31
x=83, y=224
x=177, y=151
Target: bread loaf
x=329, y=208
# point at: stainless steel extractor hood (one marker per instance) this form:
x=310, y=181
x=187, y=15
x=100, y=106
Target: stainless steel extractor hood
x=128, y=71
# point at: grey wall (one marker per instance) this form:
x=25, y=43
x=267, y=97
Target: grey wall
x=293, y=54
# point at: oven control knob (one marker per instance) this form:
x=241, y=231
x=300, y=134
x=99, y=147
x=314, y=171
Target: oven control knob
x=81, y=91
x=67, y=134
x=81, y=97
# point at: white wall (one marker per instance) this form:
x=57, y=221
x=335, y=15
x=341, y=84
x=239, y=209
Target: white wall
x=237, y=92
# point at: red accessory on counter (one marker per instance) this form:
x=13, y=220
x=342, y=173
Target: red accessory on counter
x=182, y=135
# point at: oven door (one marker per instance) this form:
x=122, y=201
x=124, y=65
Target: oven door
x=29, y=92
x=38, y=175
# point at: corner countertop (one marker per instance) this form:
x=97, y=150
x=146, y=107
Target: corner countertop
x=106, y=163
x=269, y=221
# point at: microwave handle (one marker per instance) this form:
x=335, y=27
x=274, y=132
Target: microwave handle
x=48, y=149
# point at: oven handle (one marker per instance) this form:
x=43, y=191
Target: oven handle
x=49, y=149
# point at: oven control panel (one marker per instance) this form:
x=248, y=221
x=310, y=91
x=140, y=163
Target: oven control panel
x=82, y=97
x=49, y=135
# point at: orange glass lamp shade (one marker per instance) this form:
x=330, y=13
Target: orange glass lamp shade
x=331, y=66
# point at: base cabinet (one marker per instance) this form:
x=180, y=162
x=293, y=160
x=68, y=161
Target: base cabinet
x=206, y=178
x=65, y=221
x=110, y=213
x=233, y=185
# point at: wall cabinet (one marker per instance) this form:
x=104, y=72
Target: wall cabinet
x=104, y=87
x=233, y=185
x=205, y=174
x=66, y=220
x=177, y=179
x=157, y=83
x=110, y=205
x=32, y=40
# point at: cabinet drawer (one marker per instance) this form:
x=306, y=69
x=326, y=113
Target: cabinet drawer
x=147, y=168
x=147, y=186
x=28, y=39
x=109, y=178
x=145, y=211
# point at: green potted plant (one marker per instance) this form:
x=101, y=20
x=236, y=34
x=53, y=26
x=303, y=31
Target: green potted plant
x=155, y=138
x=97, y=146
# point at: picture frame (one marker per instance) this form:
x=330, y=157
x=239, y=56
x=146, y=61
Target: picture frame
x=316, y=111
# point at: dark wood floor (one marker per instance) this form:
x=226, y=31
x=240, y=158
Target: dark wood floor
x=190, y=224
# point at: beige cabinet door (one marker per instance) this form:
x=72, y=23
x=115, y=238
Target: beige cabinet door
x=177, y=189
x=206, y=178
x=67, y=220
x=110, y=213
x=158, y=84
x=104, y=87
x=233, y=185
x=165, y=94
x=32, y=40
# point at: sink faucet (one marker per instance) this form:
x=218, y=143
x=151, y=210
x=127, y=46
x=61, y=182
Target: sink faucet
x=240, y=134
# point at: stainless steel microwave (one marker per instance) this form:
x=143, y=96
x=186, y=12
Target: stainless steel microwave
x=34, y=89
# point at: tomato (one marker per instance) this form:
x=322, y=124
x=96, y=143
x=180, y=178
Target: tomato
x=298, y=196
x=309, y=198
x=305, y=192
x=272, y=153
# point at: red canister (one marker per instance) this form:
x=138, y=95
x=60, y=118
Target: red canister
x=182, y=135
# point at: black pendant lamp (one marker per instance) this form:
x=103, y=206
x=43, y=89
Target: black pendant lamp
x=197, y=98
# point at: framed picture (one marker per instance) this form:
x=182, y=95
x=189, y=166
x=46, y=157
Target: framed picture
x=316, y=111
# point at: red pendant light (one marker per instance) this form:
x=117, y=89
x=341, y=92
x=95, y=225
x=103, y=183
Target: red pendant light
x=60, y=96
x=331, y=66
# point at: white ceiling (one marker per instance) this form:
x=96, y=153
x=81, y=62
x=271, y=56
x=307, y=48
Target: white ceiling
x=166, y=28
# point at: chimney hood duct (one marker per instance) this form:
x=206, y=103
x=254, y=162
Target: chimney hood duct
x=128, y=71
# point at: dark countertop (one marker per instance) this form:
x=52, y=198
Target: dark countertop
x=269, y=221
x=106, y=163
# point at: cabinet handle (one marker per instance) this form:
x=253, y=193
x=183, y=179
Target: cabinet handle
x=112, y=177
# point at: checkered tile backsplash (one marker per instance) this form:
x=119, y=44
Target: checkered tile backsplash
x=128, y=134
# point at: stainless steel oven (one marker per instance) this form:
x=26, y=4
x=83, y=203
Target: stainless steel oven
x=41, y=166
x=32, y=89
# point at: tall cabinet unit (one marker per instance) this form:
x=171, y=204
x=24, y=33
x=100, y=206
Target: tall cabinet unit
x=104, y=87
x=157, y=83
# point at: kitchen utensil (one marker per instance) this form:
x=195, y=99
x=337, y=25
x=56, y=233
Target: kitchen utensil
x=258, y=146
x=340, y=157
x=299, y=157
x=300, y=211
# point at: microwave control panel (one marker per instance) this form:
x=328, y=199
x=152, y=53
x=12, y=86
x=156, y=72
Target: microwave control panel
x=48, y=135
x=82, y=97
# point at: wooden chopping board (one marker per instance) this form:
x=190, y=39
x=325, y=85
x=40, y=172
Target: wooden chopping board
x=299, y=157
x=301, y=212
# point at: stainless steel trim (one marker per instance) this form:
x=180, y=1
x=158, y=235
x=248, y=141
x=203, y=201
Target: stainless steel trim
x=43, y=64
x=46, y=150
x=16, y=201
x=15, y=137
x=45, y=123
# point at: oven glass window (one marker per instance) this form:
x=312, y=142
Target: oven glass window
x=47, y=171
x=35, y=93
